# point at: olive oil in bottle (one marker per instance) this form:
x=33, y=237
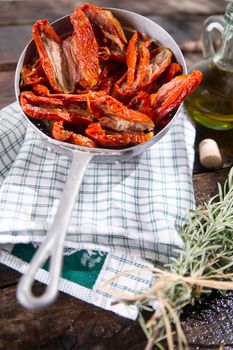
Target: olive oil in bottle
x=211, y=104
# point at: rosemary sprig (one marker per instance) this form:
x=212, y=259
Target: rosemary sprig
x=204, y=265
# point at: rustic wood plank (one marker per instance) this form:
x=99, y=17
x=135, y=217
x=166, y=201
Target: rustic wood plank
x=181, y=27
x=8, y=276
x=173, y=7
x=73, y=324
x=13, y=12
x=7, y=94
x=206, y=184
x=210, y=323
x=13, y=39
x=68, y=324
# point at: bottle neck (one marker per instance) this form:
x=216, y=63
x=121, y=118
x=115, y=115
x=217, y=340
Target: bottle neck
x=224, y=57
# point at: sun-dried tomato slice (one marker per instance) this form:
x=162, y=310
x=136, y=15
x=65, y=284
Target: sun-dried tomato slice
x=99, y=135
x=60, y=133
x=42, y=90
x=131, y=59
x=85, y=48
x=141, y=103
x=52, y=57
x=109, y=74
x=93, y=83
x=104, y=53
x=108, y=30
x=144, y=66
x=70, y=108
x=170, y=95
x=158, y=62
x=171, y=71
x=115, y=116
x=32, y=74
x=137, y=59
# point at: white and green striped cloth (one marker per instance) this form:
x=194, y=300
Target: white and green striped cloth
x=126, y=215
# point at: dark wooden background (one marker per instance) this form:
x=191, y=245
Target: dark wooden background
x=71, y=323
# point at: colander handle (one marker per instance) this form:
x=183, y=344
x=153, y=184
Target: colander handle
x=54, y=242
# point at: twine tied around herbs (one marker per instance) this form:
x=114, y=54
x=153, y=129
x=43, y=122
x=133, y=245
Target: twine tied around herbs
x=166, y=310
x=205, y=264
x=164, y=278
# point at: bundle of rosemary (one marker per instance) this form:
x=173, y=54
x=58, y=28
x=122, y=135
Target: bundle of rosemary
x=205, y=264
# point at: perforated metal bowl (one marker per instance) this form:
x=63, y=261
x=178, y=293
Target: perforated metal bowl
x=53, y=245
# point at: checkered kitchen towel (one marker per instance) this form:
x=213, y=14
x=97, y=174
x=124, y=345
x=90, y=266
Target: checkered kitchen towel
x=126, y=215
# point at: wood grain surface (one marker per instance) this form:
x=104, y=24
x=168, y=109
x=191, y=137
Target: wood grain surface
x=71, y=323
x=27, y=11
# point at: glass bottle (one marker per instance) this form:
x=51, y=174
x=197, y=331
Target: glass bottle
x=211, y=104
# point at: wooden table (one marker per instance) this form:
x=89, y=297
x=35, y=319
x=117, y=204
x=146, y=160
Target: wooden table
x=71, y=323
